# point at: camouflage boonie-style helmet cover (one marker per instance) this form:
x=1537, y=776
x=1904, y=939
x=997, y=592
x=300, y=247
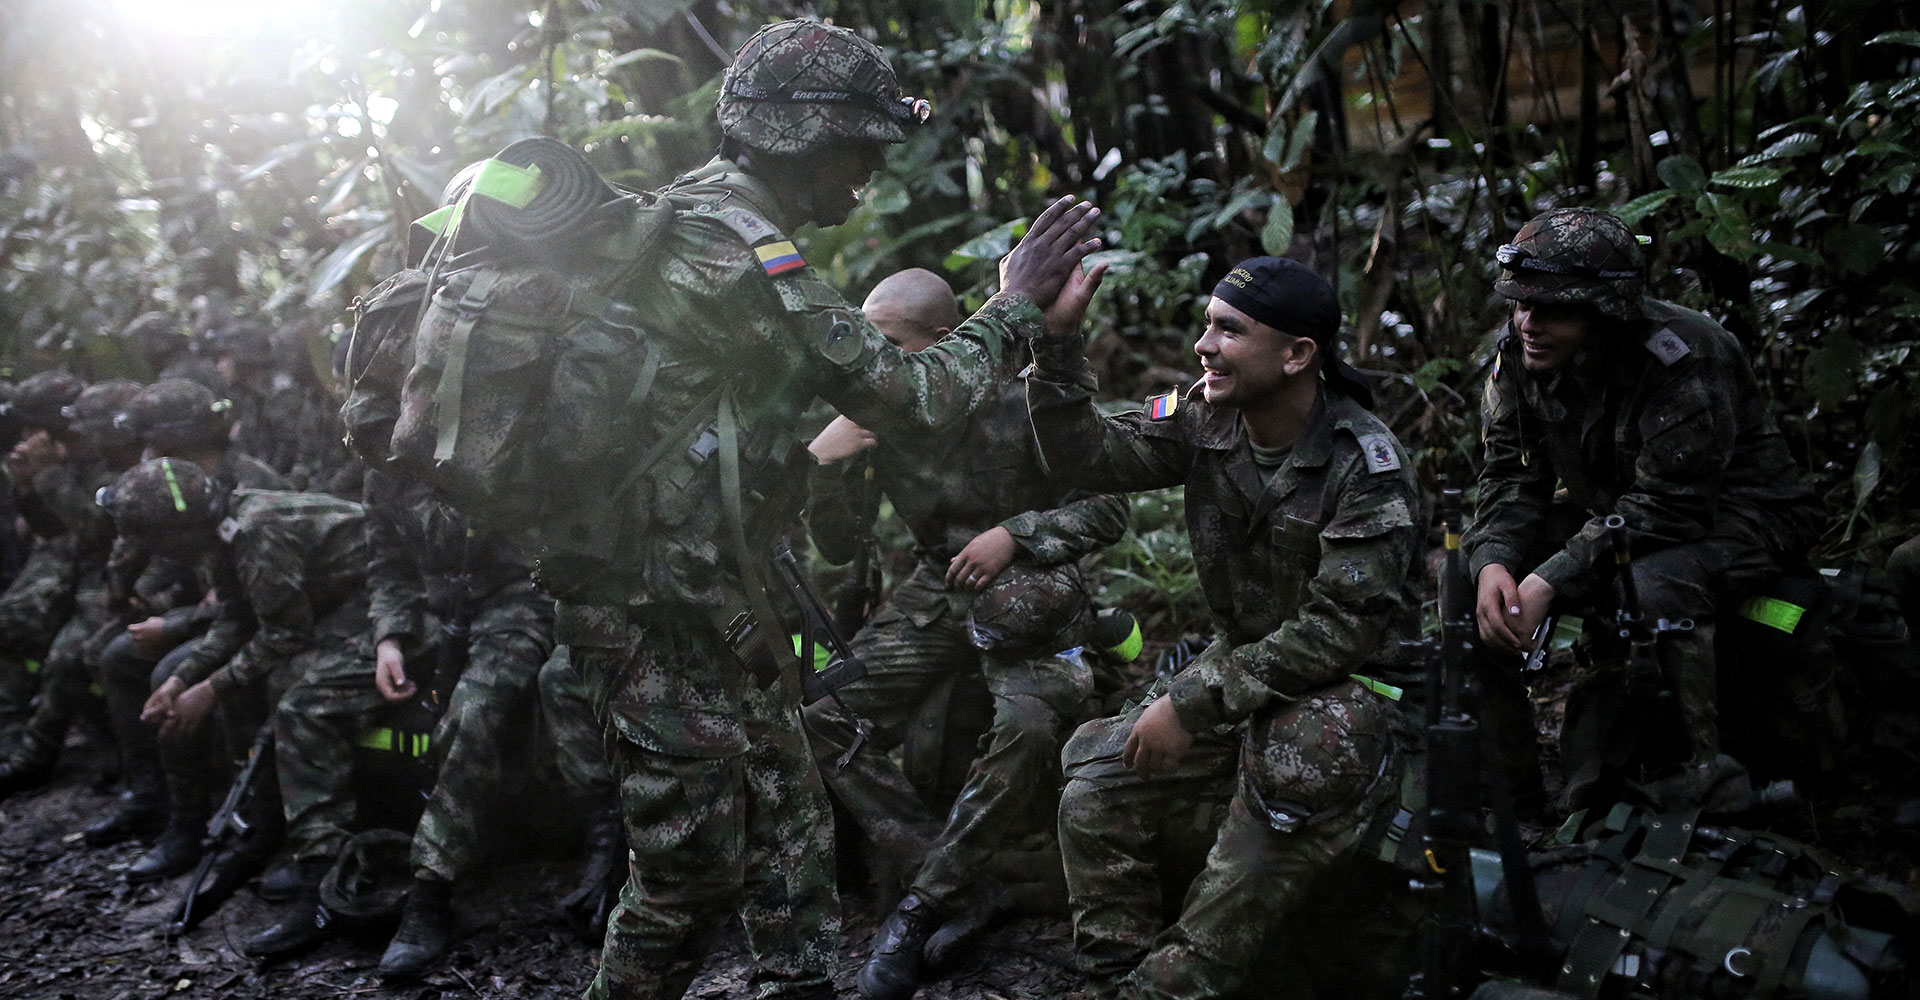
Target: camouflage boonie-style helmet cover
x=91, y=414
x=1575, y=255
x=1028, y=611
x=177, y=414
x=802, y=85
x=38, y=399
x=162, y=496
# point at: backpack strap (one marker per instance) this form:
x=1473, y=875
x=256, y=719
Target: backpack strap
x=447, y=396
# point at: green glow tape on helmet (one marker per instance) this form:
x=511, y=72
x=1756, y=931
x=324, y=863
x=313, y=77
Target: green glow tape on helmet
x=508, y=184
x=1381, y=688
x=1129, y=647
x=1773, y=613
x=173, y=486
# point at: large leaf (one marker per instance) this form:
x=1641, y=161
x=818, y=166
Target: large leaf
x=1793, y=145
x=1746, y=177
x=1277, y=235
x=334, y=267
x=1639, y=208
x=1683, y=174
x=990, y=245
x=632, y=56
x=1896, y=38
x=1831, y=369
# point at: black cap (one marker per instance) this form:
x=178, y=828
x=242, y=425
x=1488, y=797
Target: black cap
x=1290, y=297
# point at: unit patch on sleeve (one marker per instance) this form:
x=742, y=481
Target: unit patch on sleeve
x=1163, y=406
x=1667, y=346
x=1379, y=451
x=779, y=257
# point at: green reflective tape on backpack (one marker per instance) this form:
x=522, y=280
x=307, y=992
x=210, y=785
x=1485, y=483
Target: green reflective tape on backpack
x=508, y=184
x=1773, y=613
x=1381, y=688
x=390, y=740
x=439, y=220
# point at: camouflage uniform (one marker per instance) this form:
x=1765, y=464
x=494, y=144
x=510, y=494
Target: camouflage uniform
x=949, y=488
x=699, y=749
x=1660, y=421
x=1305, y=565
x=292, y=640
x=429, y=565
x=566, y=708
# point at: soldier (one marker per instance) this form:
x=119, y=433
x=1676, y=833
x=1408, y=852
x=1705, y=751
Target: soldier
x=566, y=709
x=166, y=345
x=1305, y=525
x=282, y=417
x=87, y=451
x=989, y=531
x=438, y=579
x=39, y=598
x=1641, y=408
x=723, y=805
x=291, y=644
x=166, y=599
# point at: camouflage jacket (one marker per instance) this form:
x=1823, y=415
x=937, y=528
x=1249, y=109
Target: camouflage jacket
x=1308, y=574
x=425, y=558
x=951, y=486
x=1666, y=428
x=286, y=561
x=751, y=332
x=169, y=583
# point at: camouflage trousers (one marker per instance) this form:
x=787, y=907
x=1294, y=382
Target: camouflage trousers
x=918, y=639
x=566, y=709
x=1313, y=774
x=67, y=681
x=329, y=701
x=724, y=813
x=32, y=609
x=1130, y=843
x=480, y=732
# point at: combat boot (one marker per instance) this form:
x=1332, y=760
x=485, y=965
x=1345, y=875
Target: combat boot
x=176, y=852
x=28, y=765
x=133, y=815
x=280, y=882
x=592, y=901
x=893, y=971
x=426, y=928
x=304, y=923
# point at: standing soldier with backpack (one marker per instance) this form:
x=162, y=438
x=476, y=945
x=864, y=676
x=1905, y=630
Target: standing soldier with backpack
x=661, y=486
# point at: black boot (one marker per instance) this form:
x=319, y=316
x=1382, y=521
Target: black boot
x=426, y=928
x=132, y=816
x=280, y=882
x=893, y=972
x=175, y=853
x=27, y=766
x=304, y=923
x=593, y=899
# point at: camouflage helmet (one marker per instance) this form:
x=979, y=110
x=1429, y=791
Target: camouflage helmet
x=177, y=414
x=91, y=414
x=798, y=86
x=163, y=496
x=38, y=399
x=245, y=341
x=1575, y=255
x=1028, y=611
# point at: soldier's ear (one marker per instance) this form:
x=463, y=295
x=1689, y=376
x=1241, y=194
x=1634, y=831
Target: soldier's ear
x=1299, y=355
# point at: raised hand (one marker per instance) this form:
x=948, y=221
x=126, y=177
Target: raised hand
x=1040, y=265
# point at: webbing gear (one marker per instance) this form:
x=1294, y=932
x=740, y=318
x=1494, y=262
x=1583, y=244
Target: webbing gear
x=395, y=740
x=1773, y=613
x=448, y=394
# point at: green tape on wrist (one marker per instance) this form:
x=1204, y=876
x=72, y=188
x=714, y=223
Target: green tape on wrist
x=1773, y=613
x=1130, y=647
x=1381, y=688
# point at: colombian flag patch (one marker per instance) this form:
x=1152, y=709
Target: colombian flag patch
x=1163, y=406
x=779, y=257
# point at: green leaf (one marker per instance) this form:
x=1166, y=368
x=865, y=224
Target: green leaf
x=1832, y=368
x=1855, y=249
x=334, y=267
x=1633, y=212
x=1896, y=38
x=1683, y=174
x=990, y=245
x=1866, y=475
x=1277, y=235
x=632, y=56
x=1793, y=145
x=1746, y=178
x=1787, y=251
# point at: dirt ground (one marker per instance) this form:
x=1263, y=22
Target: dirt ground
x=71, y=927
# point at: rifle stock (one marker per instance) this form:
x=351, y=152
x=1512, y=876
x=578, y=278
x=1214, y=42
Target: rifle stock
x=226, y=826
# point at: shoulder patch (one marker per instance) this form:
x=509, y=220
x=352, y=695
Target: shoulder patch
x=228, y=528
x=1378, y=448
x=1164, y=405
x=779, y=257
x=1667, y=346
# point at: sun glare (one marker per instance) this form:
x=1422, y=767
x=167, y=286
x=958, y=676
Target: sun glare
x=216, y=18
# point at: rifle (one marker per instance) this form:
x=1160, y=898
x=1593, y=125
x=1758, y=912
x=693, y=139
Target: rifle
x=1459, y=796
x=816, y=624
x=1650, y=722
x=226, y=827
x=857, y=593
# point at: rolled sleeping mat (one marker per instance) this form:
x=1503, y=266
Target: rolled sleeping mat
x=534, y=194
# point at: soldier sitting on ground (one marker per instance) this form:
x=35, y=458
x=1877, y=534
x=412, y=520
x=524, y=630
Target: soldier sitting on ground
x=83, y=452
x=1644, y=409
x=994, y=589
x=39, y=598
x=1305, y=524
x=291, y=644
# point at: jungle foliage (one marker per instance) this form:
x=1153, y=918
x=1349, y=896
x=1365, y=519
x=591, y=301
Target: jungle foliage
x=1767, y=150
